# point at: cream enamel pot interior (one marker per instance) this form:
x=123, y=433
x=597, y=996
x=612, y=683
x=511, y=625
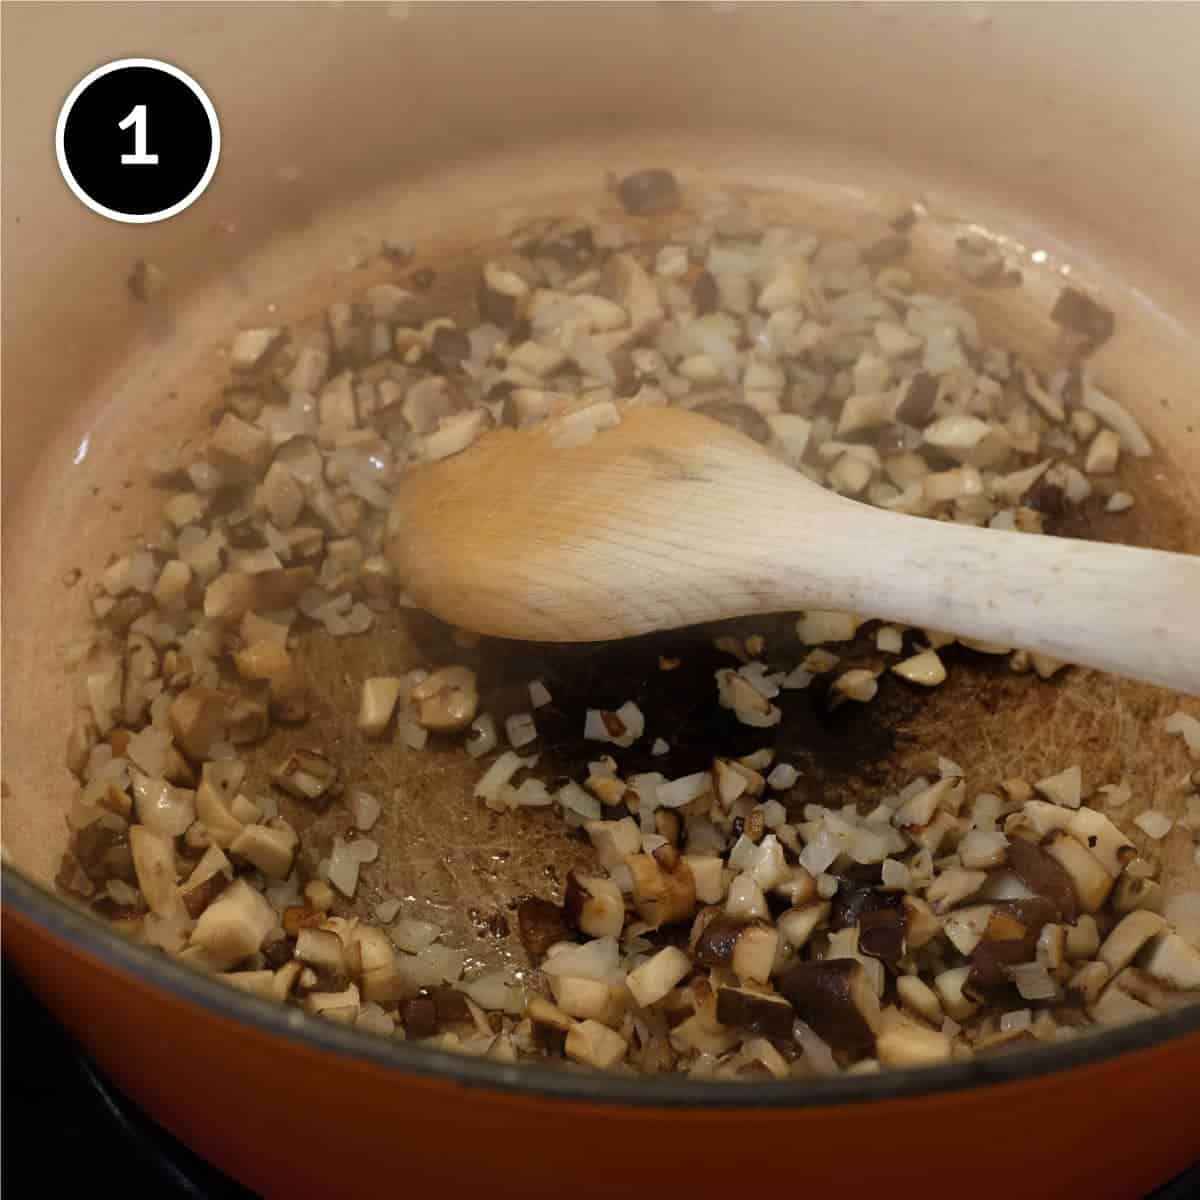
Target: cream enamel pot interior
x=1067, y=129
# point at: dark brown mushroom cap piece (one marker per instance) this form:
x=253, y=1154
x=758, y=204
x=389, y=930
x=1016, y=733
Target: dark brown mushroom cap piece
x=1042, y=874
x=540, y=923
x=419, y=1016
x=882, y=934
x=1011, y=937
x=837, y=999
x=1078, y=313
x=854, y=899
x=715, y=945
x=757, y=1012
x=654, y=190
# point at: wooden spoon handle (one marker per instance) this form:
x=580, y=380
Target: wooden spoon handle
x=1123, y=609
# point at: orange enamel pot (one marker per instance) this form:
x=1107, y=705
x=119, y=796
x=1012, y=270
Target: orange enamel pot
x=1068, y=127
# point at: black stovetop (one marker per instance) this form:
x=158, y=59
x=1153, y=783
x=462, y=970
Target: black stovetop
x=64, y=1123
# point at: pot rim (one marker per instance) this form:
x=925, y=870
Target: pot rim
x=535, y=1081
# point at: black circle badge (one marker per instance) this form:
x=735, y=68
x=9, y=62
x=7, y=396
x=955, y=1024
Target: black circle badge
x=137, y=140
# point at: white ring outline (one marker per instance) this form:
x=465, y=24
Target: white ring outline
x=214, y=126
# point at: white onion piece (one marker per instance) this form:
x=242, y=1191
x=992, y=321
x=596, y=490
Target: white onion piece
x=413, y=936
x=1033, y=981
x=597, y=959
x=364, y=809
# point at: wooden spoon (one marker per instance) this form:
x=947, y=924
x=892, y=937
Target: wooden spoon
x=669, y=519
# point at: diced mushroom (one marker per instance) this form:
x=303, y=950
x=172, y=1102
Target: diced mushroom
x=540, y=924
x=322, y=950
x=154, y=862
x=1079, y=314
x=630, y=286
x=714, y=937
x=1037, y=817
x=881, y=935
x=754, y=953
x=921, y=924
x=797, y=925
x=1105, y=841
x=907, y=1043
x=1083, y=938
x=1044, y=874
x=307, y=775
x=238, y=449
x=952, y=887
x=708, y=872
x=229, y=597
x=594, y=906
x=590, y=999
x=378, y=702
x=1174, y=961
x=198, y=719
x=234, y=926
x=1088, y=982
x=653, y=190
x=1092, y=883
x=594, y=1044
x=661, y=897
x=918, y=996
x=251, y=346
x=651, y=981
x=447, y=700
x=765, y=1013
x=279, y=497
x=836, y=998
x=1128, y=937
x=964, y=928
x=1133, y=893
x=270, y=847
x=342, y=1007
x=1052, y=946
x=1115, y=1006
x=214, y=798
x=950, y=986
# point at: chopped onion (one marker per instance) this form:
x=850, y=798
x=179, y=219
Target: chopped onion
x=820, y=853
x=817, y=1052
x=520, y=729
x=1021, y=1018
x=1033, y=981
x=783, y=777
x=1188, y=727
x=1118, y=419
x=483, y=738
x=501, y=772
x=364, y=809
x=342, y=870
x=1154, y=824
x=574, y=799
x=413, y=936
x=683, y=790
x=597, y=959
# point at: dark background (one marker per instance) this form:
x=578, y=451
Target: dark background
x=63, y=1125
